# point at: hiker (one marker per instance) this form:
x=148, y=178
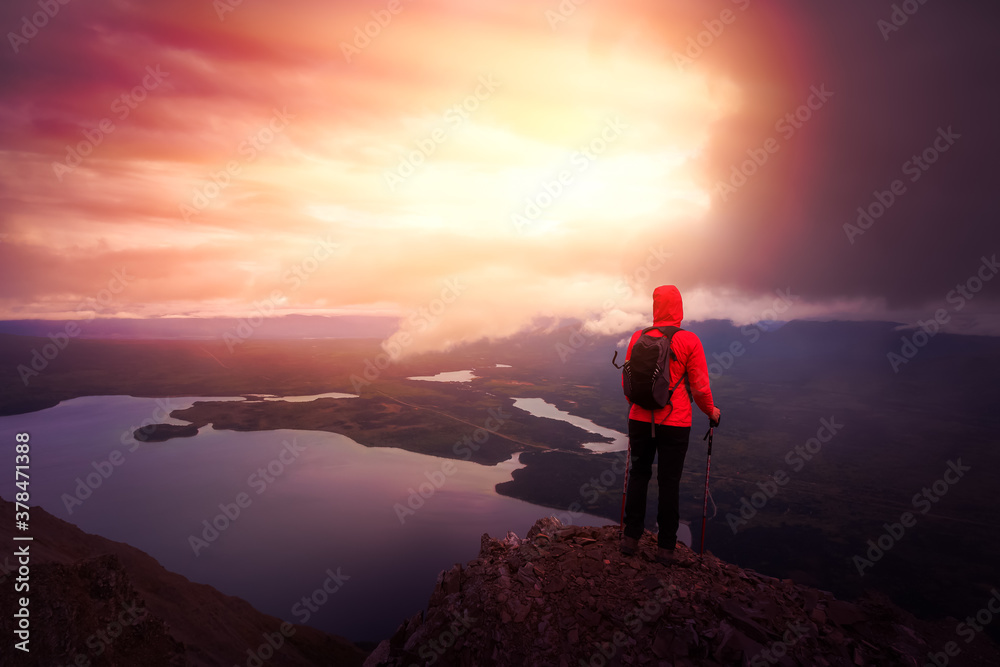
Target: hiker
x=667, y=435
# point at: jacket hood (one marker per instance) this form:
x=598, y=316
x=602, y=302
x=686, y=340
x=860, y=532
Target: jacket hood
x=668, y=309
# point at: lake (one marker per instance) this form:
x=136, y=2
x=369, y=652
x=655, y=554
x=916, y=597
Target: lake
x=447, y=376
x=541, y=408
x=453, y=376
x=313, y=502
x=619, y=443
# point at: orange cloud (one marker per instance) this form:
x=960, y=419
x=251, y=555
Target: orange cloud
x=538, y=160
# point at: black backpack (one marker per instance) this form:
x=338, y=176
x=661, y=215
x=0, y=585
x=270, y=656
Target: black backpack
x=646, y=373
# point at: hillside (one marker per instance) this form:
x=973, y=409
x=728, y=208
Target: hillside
x=564, y=596
x=98, y=602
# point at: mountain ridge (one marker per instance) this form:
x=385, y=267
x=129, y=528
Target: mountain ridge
x=564, y=596
x=83, y=586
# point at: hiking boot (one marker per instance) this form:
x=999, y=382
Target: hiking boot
x=672, y=558
x=665, y=556
x=629, y=545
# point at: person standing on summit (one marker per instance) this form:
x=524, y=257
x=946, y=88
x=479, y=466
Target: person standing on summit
x=665, y=432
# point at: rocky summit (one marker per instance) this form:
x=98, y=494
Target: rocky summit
x=565, y=596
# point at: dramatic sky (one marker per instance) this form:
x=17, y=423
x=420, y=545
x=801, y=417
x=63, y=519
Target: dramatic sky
x=497, y=162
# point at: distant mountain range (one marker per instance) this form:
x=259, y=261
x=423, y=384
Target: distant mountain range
x=207, y=328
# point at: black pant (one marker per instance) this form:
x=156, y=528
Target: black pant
x=670, y=443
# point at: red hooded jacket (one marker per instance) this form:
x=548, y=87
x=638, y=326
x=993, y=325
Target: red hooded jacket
x=668, y=311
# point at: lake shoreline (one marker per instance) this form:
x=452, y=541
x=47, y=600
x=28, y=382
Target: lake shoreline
x=265, y=498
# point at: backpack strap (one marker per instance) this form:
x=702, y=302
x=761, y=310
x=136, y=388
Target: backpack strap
x=662, y=330
x=666, y=331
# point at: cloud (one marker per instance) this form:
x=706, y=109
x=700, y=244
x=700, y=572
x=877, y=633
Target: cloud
x=540, y=163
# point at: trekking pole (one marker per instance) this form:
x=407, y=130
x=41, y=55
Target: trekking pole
x=708, y=467
x=628, y=459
